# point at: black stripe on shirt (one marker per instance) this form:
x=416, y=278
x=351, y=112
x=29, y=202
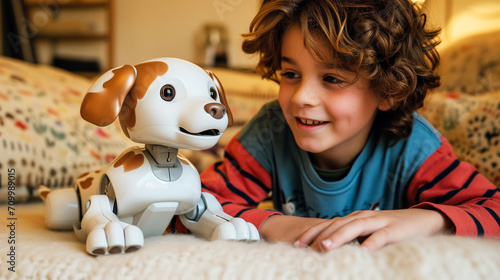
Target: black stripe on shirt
x=203, y=186
x=482, y=201
x=494, y=215
x=490, y=193
x=245, y=173
x=241, y=212
x=479, y=227
x=436, y=180
x=452, y=193
x=232, y=188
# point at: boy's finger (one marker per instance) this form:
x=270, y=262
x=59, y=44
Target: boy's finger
x=347, y=233
x=310, y=234
x=383, y=237
x=334, y=235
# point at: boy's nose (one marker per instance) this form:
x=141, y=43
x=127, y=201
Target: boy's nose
x=306, y=95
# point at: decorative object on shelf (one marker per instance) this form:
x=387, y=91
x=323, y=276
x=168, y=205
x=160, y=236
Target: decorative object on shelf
x=215, y=45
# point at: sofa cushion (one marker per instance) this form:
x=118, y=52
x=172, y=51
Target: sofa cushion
x=472, y=126
x=471, y=65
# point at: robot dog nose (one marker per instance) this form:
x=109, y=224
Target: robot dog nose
x=216, y=110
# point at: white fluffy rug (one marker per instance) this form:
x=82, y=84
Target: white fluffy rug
x=44, y=254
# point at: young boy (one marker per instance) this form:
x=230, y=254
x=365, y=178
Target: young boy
x=344, y=139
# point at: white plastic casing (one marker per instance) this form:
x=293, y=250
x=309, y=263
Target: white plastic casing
x=61, y=209
x=137, y=189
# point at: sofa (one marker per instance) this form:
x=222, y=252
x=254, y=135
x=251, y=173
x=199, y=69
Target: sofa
x=44, y=141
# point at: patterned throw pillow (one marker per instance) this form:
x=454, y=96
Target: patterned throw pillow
x=472, y=126
x=43, y=139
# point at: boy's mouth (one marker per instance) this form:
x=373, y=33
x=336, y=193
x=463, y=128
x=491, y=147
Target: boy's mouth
x=309, y=122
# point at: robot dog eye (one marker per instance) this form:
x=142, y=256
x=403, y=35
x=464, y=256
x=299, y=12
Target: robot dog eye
x=167, y=93
x=213, y=93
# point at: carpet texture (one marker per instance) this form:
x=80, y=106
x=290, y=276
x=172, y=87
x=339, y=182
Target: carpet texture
x=44, y=254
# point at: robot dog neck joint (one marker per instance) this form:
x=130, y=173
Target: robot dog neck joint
x=163, y=155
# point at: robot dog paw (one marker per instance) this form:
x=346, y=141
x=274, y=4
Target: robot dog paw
x=236, y=229
x=114, y=238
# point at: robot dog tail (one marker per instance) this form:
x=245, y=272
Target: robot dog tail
x=43, y=191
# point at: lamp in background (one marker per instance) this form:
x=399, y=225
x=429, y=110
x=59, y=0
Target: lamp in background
x=418, y=2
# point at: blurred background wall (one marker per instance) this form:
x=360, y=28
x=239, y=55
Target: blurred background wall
x=207, y=32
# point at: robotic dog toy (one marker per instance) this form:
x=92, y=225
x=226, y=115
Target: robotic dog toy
x=166, y=104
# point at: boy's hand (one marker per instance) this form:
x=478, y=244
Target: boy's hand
x=374, y=229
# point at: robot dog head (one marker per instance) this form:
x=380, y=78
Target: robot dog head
x=164, y=101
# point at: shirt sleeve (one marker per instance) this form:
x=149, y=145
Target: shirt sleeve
x=456, y=189
x=239, y=183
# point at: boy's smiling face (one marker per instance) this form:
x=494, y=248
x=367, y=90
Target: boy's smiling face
x=330, y=117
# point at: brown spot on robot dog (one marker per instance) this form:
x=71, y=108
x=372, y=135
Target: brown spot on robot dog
x=120, y=94
x=83, y=175
x=102, y=108
x=86, y=183
x=147, y=72
x=130, y=161
x=222, y=95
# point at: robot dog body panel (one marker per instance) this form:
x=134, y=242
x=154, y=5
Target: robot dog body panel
x=133, y=184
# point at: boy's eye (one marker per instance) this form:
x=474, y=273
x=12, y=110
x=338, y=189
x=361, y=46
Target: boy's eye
x=289, y=75
x=332, y=80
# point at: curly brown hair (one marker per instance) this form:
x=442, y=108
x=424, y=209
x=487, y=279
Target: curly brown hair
x=384, y=41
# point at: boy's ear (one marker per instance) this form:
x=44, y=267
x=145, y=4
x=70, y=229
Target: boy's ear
x=386, y=104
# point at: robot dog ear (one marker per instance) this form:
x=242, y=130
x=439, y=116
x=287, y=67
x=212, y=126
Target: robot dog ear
x=103, y=101
x=223, y=98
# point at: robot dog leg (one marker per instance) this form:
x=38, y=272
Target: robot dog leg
x=208, y=220
x=104, y=233
x=100, y=228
